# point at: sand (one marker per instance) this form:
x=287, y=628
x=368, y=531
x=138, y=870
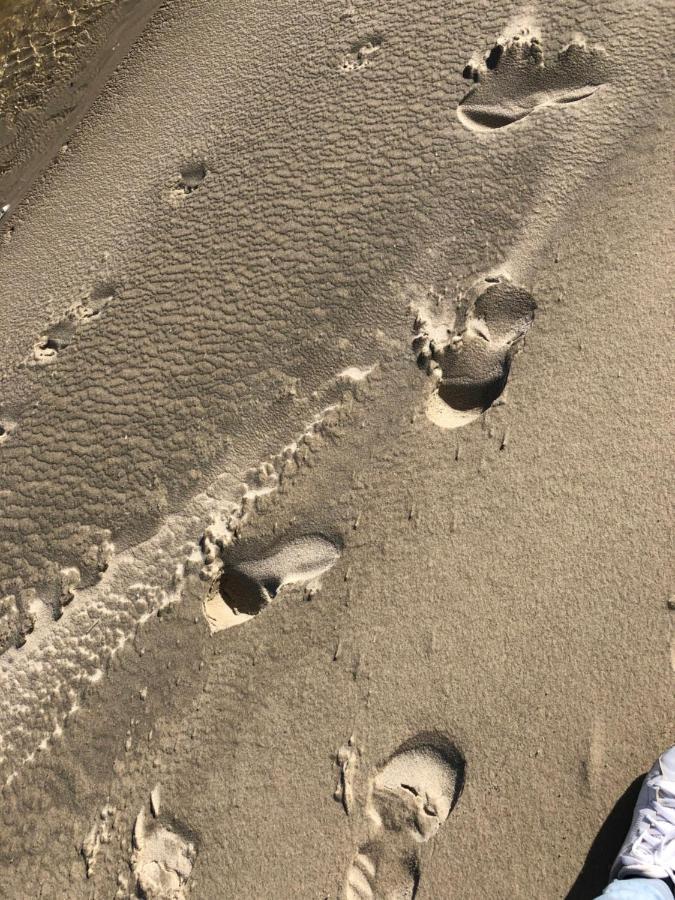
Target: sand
x=353, y=319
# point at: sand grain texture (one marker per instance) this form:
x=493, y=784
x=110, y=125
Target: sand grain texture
x=214, y=350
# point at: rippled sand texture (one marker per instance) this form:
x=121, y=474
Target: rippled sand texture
x=54, y=58
x=350, y=315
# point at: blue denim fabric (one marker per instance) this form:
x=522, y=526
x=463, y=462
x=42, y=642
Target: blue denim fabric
x=637, y=889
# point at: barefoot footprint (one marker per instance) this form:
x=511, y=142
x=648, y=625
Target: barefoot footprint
x=247, y=586
x=407, y=801
x=469, y=351
x=514, y=81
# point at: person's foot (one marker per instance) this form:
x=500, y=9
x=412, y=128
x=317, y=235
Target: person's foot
x=649, y=848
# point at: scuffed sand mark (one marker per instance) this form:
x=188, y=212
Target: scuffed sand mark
x=361, y=53
x=247, y=587
x=513, y=80
x=594, y=761
x=42, y=683
x=163, y=858
x=15, y=625
x=353, y=373
x=61, y=334
x=300, y=561
x=347, y=759
x=100, y=833
x=190, y=178
x=7, y=427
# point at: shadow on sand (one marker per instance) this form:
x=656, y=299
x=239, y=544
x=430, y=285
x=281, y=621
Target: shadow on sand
x=594, y=874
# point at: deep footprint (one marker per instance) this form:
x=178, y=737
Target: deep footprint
x=408, y=800
x=191, y=177
x=514, y=81
x=247, y=586
x=471, y=351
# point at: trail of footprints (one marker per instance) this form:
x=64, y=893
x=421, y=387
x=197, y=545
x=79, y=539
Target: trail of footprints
x=396, y=809
x=406, y=802
x=514, y=81
x=61, y=334
x=403, y=803
x=56, y=338
x=467, y=347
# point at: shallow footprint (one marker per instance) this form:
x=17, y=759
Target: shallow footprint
x=470, y=354
x=408, y=800
x=514, y=81
x=247, y=586
x=163, y=856
x=61, y=334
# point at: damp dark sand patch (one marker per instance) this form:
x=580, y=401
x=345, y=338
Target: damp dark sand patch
x=55, y=57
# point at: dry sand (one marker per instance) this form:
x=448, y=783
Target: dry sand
x=346, y=324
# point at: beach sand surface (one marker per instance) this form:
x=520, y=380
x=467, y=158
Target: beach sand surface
x=336, y=324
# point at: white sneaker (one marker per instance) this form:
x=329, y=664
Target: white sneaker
x=649, y=848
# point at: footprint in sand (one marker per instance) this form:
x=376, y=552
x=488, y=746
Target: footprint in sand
x=247, y=586
x=468, y=350
x=61, y=334
x=361, y=53
x=514, y=81
x=407, y=800
x=7, y=426
x=190, y=179
x=163, y=856
x=191, y=176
